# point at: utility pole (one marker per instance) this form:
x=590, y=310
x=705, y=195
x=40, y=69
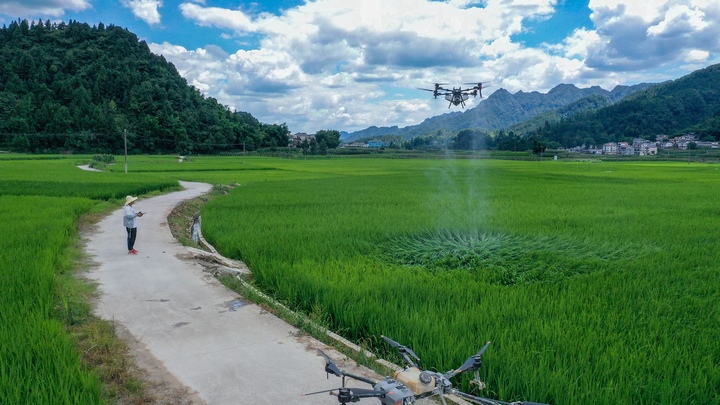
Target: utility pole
x=243, y=152
x=126, y=151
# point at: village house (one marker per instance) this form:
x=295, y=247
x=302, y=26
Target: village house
x=610, y=148
x=624, y=148
x=644, y=147
x=298, y=138
x=647, y=149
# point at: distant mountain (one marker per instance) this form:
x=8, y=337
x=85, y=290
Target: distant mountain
x=688, y=104
x=503, y=109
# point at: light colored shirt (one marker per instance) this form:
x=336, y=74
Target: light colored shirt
x=130, y=218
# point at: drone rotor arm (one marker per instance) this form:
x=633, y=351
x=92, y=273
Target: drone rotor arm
x=346, y=395
x=360, y=378
x=367, y=393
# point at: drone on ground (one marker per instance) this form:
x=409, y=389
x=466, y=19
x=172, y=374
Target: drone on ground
x=409, y=384
x=456, y=95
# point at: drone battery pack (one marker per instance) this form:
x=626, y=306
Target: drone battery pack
x=410, y=377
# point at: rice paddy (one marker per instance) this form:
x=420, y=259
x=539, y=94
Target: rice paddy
x=40, y=201
x=589, y=279
x=597, y=283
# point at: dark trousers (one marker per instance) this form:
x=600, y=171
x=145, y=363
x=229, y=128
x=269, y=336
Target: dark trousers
x=132, y=234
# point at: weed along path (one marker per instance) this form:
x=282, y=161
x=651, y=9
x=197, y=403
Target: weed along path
x=221, y=348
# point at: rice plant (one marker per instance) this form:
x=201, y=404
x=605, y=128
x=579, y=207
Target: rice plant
x=40, y=201
x=504, y=259
x=39, y=363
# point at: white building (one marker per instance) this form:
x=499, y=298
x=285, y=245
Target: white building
x=624, y=148
x=648, y=149
x=298, y=138
x=610, y=148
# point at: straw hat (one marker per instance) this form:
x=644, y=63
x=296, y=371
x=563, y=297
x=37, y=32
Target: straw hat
x=130, y=199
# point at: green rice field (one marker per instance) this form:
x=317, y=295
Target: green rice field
x=40, y=201
x=597, y=283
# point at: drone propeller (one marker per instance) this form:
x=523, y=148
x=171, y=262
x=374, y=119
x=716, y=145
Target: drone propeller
x=419, y=88
x=401, y=347
x=473, y=362
x=330, y=366
x=403, y=350
x=478, y=87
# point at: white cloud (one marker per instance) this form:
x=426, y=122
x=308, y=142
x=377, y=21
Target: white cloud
x=679, y=18
x=53, y=8
x=696, y=56
x=579, y=43
x=217, y=17
x=146, y=10
x=350, y=64
x=324, y=63
x=202, y=68
x=636, y=35
x=404, y=106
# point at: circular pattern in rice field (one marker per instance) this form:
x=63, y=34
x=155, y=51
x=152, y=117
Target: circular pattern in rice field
x=502, y=259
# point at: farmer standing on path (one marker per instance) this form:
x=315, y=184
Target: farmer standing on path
x=130, y=222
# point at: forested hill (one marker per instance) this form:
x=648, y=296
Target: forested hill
x=688, y=104
x=73, y=87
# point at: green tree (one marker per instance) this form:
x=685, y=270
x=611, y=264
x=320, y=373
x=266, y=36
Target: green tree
x=330, y=136
x=71, y=78
x=538, y=147
x=322, y=148
x=279, y=133
x=305, y=146
x=470, y=139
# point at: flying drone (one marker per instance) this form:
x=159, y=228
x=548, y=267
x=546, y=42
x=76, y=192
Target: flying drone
x=456, y=95
x=411, y=383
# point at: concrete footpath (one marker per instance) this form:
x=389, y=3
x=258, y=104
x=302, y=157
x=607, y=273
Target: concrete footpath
x=224, y=349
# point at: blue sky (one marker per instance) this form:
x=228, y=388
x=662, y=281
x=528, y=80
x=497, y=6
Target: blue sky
x=350, y=64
